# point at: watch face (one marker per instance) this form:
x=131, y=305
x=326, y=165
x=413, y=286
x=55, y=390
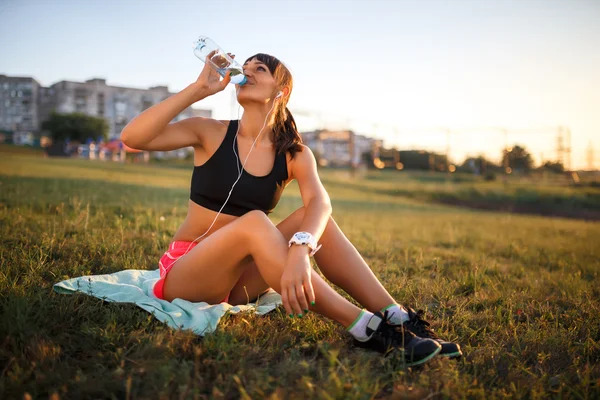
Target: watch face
x=302, y=236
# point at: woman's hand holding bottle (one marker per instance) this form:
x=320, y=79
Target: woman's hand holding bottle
x=209, y=81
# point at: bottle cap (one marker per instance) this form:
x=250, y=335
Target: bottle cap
x=243, y=81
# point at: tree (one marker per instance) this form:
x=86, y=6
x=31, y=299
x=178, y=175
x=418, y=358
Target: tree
x=478, y=165
x=423, y=160
x=518, y=159
x=75, y=126
x=556, y=167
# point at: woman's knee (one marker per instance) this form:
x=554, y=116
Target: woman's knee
x=299, y=213
x=292, y=223
x=255, y=219
x=256, y=224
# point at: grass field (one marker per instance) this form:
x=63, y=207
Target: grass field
x=520, y=293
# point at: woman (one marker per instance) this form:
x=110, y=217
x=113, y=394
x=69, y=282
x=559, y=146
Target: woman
x=241, y=254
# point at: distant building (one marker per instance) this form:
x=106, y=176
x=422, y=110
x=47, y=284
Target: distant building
x=19, y=108
x=25, y=104
x=340, y=148
x=118, y=105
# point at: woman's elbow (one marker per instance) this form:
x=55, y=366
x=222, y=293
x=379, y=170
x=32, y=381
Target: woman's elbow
x=125, y=137
x=128, y=138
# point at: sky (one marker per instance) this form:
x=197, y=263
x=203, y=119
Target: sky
x=413, y=73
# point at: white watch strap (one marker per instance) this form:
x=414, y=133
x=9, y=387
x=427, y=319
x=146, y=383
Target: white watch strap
x=312, y=243
x=312, y=253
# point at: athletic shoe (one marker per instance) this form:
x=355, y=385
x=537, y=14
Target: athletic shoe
x=417, y=325
x=387, y=338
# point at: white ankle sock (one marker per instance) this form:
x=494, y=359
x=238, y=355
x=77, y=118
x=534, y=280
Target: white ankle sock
x=358, y=328
x=397, y=314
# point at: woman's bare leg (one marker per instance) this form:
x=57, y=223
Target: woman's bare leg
x=339, y=261
x=212, y=268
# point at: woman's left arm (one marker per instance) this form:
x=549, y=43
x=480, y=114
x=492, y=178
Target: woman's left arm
x=317, y=206
x=296, y=284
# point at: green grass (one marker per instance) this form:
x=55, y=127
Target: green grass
x=519, y=293
x=551, y=197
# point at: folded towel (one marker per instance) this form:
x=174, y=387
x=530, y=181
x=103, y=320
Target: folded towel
x=135, y=286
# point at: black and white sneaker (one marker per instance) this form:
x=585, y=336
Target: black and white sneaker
x=386, y=339
x=417, y=325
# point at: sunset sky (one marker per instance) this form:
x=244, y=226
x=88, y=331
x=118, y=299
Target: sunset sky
x=403, y=71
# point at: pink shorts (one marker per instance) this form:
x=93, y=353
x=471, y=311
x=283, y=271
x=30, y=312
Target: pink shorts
x=176, y=250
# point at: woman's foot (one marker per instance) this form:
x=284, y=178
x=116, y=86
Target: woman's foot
x=387, y=338
x=417, y=325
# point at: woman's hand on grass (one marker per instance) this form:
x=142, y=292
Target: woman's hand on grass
x=296, y=286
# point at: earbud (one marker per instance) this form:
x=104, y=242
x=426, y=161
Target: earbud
x=279, y=94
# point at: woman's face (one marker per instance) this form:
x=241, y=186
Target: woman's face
x=261, y=86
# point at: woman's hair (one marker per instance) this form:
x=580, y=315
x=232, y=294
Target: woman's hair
x=287, y=137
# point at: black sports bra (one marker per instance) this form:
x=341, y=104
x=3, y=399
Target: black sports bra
x=212, y=181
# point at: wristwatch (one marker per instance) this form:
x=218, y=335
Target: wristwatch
x=305, y=239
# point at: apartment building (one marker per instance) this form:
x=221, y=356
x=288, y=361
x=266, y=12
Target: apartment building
x=339, y=148
x=19, y=108
x=25, y=104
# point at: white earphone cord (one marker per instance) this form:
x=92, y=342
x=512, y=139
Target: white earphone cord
x=240, y=172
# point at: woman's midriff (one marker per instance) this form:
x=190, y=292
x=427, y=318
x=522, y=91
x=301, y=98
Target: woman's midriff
x=197, y=222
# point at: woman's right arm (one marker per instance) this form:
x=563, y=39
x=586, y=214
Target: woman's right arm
x=152, y=130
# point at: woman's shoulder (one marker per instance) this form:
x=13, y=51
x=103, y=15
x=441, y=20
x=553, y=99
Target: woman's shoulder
x=207, y=127
x=303, y=159
x=210, y=123
x=211, y=133
x=304, y=154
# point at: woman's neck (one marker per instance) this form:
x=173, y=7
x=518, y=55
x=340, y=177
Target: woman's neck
x=253, y=120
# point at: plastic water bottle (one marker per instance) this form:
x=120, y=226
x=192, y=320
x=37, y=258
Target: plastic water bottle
x=220, y=60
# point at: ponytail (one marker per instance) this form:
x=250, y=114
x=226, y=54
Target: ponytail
x=287, y=137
